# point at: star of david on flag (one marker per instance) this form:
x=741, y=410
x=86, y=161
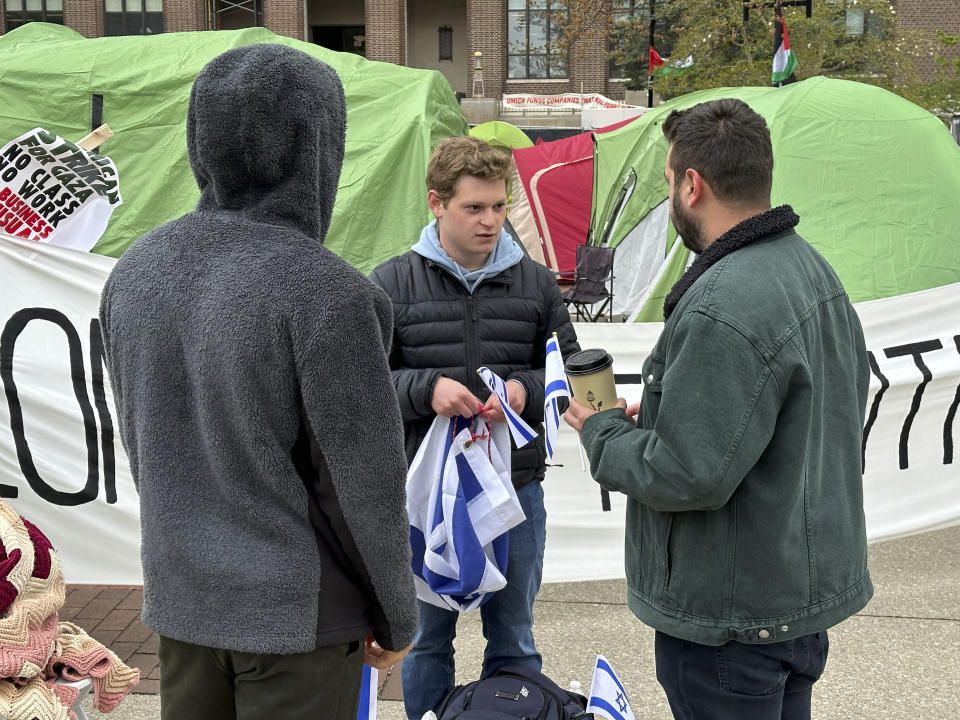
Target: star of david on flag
x=554, y=387
x=607, y=696
x=521, y=432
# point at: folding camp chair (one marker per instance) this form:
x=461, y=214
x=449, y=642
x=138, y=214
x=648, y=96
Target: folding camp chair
x=592, y=283
x=83, y=686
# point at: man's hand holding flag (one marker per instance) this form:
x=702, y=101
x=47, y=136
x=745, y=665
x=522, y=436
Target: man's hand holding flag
x=521, y=432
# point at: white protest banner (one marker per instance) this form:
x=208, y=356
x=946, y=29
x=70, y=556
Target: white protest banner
x=52, y=191
x=63, y=467
x=565, y=101
x=911, y=481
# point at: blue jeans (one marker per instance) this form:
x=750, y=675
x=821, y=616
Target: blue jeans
x=507, y=618
x=737, y=680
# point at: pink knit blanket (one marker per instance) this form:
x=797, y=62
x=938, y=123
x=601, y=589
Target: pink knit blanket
x=77, y=656
x=36, y=650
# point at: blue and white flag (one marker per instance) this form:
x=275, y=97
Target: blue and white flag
x=522, y=433
x=461, y=504
x=607, y=696
x=367, y=707
x=554, y=387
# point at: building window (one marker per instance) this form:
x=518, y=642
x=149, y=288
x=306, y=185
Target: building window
x=627, y=10
x=858, y=23
x=342, y=38
x=446, y=43
x=237, y=14
x=132, y=17
x=20, y=12
x=854, y=22
x=532, y=40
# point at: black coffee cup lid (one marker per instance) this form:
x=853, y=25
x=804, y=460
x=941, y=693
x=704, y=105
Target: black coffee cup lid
x=587, y=361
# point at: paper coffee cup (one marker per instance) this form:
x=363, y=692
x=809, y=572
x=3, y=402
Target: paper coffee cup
x=590, y=373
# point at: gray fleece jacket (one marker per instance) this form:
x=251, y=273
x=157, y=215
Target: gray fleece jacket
x=249, y=368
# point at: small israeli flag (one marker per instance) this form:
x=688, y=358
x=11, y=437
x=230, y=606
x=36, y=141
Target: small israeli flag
x=607, y=696
x=554, y=387
x=367, y=707
x=521, y=432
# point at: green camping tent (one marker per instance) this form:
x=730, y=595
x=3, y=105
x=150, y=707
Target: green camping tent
x=874, y=178
x=54, y=78
x=502, y=135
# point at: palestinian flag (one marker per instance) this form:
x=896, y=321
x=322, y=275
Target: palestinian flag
x=655, y=62
x=674, y=67
x=784, y=61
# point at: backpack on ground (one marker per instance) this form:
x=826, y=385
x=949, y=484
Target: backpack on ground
x=516, y=692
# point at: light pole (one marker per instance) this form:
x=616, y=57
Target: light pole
x=478, y=74
x=650, y=69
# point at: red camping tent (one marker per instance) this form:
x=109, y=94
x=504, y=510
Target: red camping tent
x=552, y=192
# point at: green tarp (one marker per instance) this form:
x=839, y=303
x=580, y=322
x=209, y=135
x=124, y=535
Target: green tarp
x=874, y=178
x=49, y=76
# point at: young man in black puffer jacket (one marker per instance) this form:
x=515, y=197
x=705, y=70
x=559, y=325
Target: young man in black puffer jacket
x=464, y=296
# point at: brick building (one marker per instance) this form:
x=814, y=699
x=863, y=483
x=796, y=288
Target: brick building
x=928, y=16
x=516, y=37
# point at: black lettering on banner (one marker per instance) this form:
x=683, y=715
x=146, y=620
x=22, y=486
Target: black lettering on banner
x=97, y=362
x=45, y=137
x=10, y=154
x=951, y=414
x=28, y=189
x=875, y=406
x=19, y=164
x=915, y=350
x=11, y=331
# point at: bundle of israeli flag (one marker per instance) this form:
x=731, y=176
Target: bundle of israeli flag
x=522, y=433
x=461, y=504
x=554, y=387
x=607, y=697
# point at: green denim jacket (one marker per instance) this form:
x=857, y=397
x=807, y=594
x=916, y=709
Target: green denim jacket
x=744, y=473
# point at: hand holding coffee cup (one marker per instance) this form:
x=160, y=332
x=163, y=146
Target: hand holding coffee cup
x=590, y=373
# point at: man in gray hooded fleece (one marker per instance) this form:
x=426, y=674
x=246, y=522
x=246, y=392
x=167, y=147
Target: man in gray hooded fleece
x=249, y=367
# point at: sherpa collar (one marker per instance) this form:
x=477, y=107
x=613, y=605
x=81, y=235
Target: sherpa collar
x=740, y=235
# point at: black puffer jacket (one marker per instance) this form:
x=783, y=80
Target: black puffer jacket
x=442, y=330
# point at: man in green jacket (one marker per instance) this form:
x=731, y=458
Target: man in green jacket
x=745, y=535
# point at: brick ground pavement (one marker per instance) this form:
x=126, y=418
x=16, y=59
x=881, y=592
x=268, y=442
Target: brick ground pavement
x=111, y=615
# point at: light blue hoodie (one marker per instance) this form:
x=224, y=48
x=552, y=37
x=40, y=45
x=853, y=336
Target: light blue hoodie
x=506, y=254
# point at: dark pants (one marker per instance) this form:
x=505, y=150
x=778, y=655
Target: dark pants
x=737, y=681
x=211, y=684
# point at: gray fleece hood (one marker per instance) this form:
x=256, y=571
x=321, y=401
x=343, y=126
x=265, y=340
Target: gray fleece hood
x=256, y=148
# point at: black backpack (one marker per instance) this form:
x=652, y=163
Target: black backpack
x=516, y=692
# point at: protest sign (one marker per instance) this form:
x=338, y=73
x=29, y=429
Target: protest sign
x=53, y=191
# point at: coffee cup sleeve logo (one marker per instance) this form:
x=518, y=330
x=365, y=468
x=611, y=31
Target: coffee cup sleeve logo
x=53, y=191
